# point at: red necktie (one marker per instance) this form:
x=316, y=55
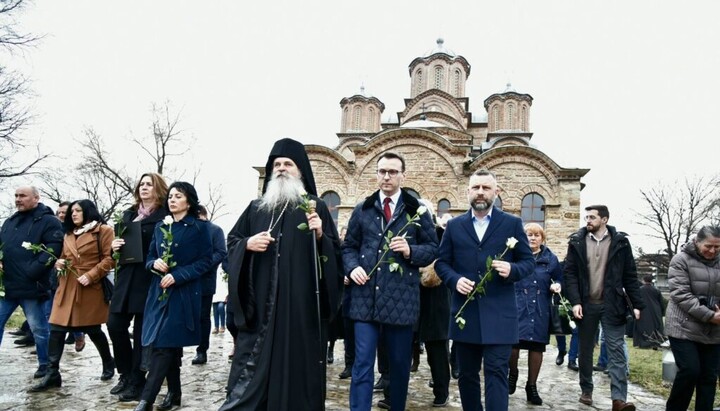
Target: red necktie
x=386, y=209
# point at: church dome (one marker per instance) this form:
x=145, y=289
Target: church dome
x=439, y=49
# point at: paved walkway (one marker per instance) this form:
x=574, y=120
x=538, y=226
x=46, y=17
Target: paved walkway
x=203, y=386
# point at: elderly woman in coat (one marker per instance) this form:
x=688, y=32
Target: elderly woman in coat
x=79, y=303
x=533, y=294
x=180, y=252
x=692, y=320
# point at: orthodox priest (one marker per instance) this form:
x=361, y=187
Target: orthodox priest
x=282, y=293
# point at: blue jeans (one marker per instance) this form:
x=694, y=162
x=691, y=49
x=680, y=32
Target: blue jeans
x=603, y=358
x=219, y=314
x=574, y=346
x=35, y=314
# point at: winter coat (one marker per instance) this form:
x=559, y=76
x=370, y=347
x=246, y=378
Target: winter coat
x=434, y=308
x=491, y=318
x=533, y=294
x=219, y=254
x=27, y=274
x=694, y=283
x=89, y=254
x=620, y=273
x=387, y=297
x=132, y=281
x=175, y=321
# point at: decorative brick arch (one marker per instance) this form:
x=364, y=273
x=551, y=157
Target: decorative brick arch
x=549, y=196
x=532, y=157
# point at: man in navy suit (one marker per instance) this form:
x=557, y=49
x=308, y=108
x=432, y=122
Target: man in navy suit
x=490, y=320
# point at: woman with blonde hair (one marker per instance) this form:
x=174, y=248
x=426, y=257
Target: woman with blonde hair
x=532, y=294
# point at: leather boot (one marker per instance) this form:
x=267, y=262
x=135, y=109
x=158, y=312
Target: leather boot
x=620, y=405
x=101, y=343
x=512, y=382
x=532, y=394
x=56, y=344
x=171, y=399
x=143, y=406
x=120, y=386
x=415, y=357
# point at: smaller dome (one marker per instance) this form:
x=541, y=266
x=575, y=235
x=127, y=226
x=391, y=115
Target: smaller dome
x=440, y=48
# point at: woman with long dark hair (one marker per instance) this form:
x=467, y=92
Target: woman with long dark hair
x=132, y=281
x=180, y=252
x=79, y=303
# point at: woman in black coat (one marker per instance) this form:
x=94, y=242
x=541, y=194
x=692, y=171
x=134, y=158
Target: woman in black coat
x=132, y=281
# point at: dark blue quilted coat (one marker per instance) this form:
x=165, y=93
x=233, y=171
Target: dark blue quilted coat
x=388, y=297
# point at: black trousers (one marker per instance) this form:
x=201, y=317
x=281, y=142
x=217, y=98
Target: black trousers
x=164, y=363
x=437, y=357
x=697, y=372
x=205, y=324
x=349, y=341
x=127, y=356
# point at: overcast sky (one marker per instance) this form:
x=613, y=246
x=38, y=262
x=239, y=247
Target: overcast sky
x=627, y=89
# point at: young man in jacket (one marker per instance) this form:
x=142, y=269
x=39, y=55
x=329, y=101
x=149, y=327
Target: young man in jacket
x=384, y=297
x=26, y=273
x=601, y=279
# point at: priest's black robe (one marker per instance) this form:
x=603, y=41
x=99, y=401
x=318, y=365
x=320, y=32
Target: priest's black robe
x=279, y=361
x=649, y=329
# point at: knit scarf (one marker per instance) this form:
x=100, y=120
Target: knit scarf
x=143, y=212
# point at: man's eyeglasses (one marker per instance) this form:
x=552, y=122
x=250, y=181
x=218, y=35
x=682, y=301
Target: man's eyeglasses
x=391, y=173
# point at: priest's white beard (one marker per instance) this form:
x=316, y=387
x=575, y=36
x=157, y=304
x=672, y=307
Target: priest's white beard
x=282, y=188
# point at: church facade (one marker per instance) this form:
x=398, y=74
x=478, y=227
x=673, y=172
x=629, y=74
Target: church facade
x=443, y=143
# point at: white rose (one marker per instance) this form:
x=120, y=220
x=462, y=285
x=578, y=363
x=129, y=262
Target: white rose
x=460, y=322
x=26, y=245
x=421, y=210
x=168, y=220
x=511, y=242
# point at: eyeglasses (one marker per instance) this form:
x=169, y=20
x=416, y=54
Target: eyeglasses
x=391, y=173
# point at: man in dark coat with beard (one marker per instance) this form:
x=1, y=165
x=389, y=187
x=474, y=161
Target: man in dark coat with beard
x=279, y=360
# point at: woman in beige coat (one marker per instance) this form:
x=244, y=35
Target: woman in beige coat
x=79, y=303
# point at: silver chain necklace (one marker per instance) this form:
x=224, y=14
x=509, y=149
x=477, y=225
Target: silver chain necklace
x=274, y=223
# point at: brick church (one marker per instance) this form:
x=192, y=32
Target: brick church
x=443, y=143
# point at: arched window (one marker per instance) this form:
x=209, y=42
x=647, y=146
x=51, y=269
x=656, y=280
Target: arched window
x=498, y=203
x=332, y=200
x=370, y=120
x=346, y=119
x=356, y=118
x=418, y=82
x=496, y=118
x=456, y=84
x=523, y=119
x=443, y=207
x=510, y=117
x=533, y=209
x=438, y=77
x=412, y=193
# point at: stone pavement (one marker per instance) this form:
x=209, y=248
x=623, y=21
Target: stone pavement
x=203, y=385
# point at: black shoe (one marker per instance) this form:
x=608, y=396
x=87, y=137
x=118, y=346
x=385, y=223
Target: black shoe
x=381, y=384
x=383, y=404
x=108, y=370
x=50, y=380
x=346, y=373
x=41, y=371
x=560, y=358
x=440, y=402
x=330, y=356
x=200, y=358
x=131, y=393
x=143, y=406
x=431, y=383
x=532, y=394
x=70, y=340
x=120, y=386
x=25, y=341
x=455, y=373
x=18, y=333
x=170, y=400
x=598, y=368
x=573, y=365
x=512, y=383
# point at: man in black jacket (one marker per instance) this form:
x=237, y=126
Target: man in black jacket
x=209, y=284
x=601, y=284
x=26, y=273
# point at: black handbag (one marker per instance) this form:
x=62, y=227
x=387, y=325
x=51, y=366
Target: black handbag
x=107, y=286
x=558, y=324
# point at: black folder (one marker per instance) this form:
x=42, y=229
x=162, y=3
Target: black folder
x=132, y=251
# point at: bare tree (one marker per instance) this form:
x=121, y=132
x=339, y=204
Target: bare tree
x=674, y=213
x=214, y=203
x=166, y=137
x=14, y=116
